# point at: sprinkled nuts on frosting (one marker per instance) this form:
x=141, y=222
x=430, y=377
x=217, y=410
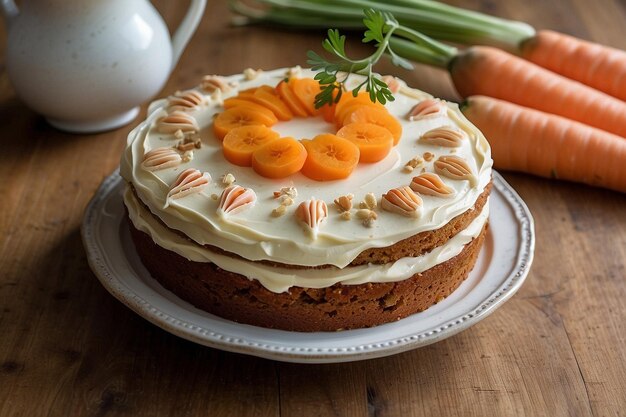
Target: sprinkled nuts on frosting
x=428, y=156
x=279, y=211
x=227, y=179
x=344, y=203
x=286, y=191
x=367, y=216
x=369, y=202
x=413, y=163
x=187, y=156
x=294, y=72
x=250, y=74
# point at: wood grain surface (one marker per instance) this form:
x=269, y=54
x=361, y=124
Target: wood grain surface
x=68, y=348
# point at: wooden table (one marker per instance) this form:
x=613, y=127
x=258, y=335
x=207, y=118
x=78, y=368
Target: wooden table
x=68, y=348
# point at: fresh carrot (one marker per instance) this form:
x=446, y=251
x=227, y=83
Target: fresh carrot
x=598, y=66
x=547, y=145
x=593, y=64
x=484, y=70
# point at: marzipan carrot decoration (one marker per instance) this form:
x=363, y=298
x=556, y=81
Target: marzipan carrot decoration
x=595, y=65
x=547, y=145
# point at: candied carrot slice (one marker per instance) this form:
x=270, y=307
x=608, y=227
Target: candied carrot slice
x=348, y=100
x=378, y=116
x=374, y=141
x=241, y=101
x=241, y=142
x=346, y=110
x=248, y=92
x=329, y=157
x=269, y=99
x=236, y=117
x=288, y=96
x=279, y=158
x=305, y=89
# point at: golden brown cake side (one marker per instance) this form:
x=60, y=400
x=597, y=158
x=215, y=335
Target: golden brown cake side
x=235, y=297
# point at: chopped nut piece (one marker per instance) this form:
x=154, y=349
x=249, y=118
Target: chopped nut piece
x=346, y=215
x=414, y=163
x=408, y=168
x=197, y=143
x=428, y=156
x=187, y=156
x=286, y=201
x=251, y=74
x=294, y=72
x=185, y=146
x=344, y=203
x=286, y=191
x=228, y=179
x=179, y=134
x=216, y=96
x=279, y=211
x=368, y=217
x=214, y=196
x=370, y=201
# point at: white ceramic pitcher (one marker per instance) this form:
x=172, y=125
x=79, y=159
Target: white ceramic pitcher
x=86, y=65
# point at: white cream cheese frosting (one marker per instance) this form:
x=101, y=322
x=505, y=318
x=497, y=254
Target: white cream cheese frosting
x=255, y=234
x=280, y=279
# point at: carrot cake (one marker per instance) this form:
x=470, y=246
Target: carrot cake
x=251, y=204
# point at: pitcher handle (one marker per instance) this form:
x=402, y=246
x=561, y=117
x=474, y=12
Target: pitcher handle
x=186, y=29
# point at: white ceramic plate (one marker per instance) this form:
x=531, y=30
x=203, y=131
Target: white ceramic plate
x=501, y=268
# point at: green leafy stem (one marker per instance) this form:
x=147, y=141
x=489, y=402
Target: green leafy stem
x=380, y=26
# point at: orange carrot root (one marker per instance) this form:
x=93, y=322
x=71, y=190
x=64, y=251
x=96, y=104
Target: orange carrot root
x=595, y=65
x=547, y=145
x=488, y=71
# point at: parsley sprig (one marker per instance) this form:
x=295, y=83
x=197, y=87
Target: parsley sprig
x=333, y=74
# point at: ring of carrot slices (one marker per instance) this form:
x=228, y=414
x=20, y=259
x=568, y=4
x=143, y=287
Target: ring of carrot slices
x=366, y=131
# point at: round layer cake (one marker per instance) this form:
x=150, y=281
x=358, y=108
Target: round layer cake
x=391, y=239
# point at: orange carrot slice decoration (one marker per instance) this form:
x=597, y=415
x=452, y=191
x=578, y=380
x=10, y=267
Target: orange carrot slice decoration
x=305, y=89
x=279, y=158
x=347, y=107
x=267, y=97
x=329, y=157
x=229, y=103
x=241, y=142
x=288, y=96
x=378, y=116
x=374, y=142
x=237, y=117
